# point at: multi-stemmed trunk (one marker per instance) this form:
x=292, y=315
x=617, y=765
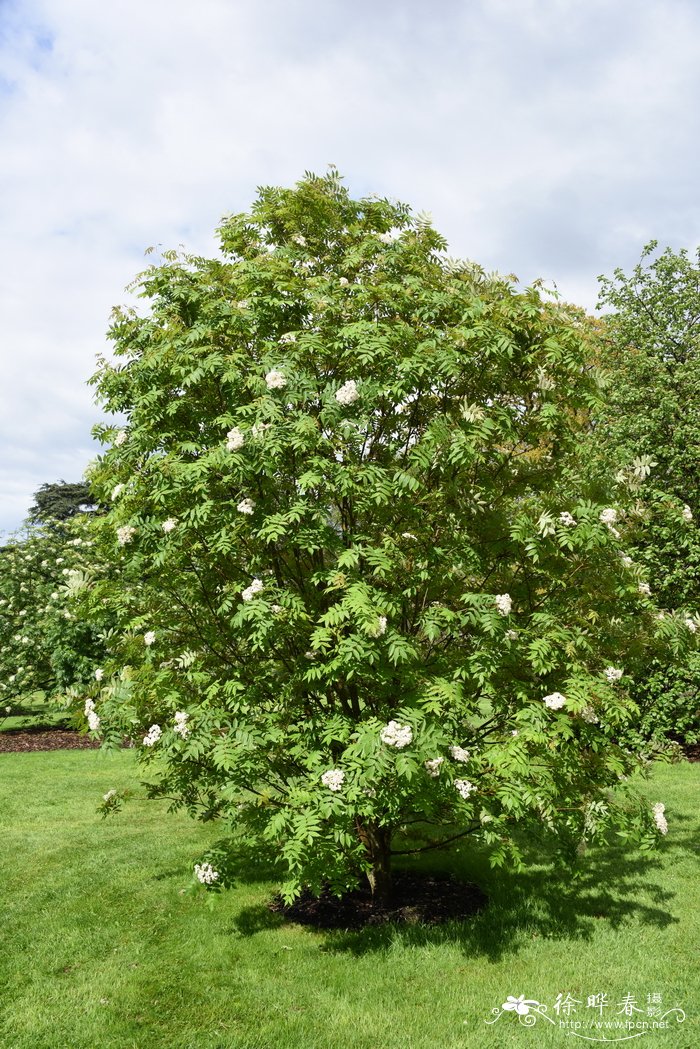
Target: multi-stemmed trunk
x=377, y=841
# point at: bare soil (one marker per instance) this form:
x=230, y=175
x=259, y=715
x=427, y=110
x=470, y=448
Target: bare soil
x=20, y=740
x=419, y=899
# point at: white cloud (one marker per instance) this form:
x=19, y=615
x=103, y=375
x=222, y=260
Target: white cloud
x=547, y=140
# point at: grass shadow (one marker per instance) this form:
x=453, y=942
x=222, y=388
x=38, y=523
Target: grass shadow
x=544, y=902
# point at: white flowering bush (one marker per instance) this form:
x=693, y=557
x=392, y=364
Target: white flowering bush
x=46, y=644
x=391, y=596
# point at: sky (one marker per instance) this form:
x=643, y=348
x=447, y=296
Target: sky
x=548, y=138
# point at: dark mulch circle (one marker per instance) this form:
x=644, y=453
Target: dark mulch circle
x=692, y=751
x=419, y=899
x=20, y=740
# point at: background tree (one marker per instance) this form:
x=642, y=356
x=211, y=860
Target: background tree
x=369, y=603
x=651, y=349
x=59, y=501
x=46, y=644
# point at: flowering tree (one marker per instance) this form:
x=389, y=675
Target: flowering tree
x=46, y=645
x=651, y=346
x=368, y=603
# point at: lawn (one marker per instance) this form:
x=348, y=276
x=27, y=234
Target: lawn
x=103, y=951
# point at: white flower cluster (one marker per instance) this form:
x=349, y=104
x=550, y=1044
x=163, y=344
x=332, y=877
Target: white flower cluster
x=644, y=589
x=555, y=701
x=99, y=674
x=333, y=779
x=608, y=516
x=168, y=525
x=504, y=604
x=182, y=727
x=92, y=718
x=235, y=439
x=396, y=735
x=566, y=519
x=255, y=588
x=206, y=873
x=687, y=514
x=691, y=625
x=109, y=795
x=432, y=767
x=464, y=787
x=659, y=819
x=246, y=506
x=152, y=736
x=121, y=438
x=275, y=380
x=589, y=715
x=343, y=282
x=125, y=534
x=117, y=491
x=459, y=754
x=149, y=638
x=380, y=626
x=348, y=392
x=288, y=337
x=612, y=674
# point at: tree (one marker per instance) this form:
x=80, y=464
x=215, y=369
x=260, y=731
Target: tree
x=368, y=603
x=651, y=342
x=59, y=501
x=46, y=645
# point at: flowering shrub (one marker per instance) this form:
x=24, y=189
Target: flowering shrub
x=391, y=596
x=45, y=643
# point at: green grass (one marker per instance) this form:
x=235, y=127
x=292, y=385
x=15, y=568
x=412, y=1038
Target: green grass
x=103, y=951
x=32, y=711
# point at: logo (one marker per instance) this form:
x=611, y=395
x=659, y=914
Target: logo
x=596, y=1017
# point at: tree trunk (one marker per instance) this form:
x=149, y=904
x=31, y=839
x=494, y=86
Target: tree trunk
x=377, y=842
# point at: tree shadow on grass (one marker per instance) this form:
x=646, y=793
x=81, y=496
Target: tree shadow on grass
x=610, y=885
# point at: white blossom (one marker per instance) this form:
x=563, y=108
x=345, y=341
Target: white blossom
x=275, y=380
x=459, y=754
x=659, y=819
x=348, y=392
x=299, y=239
x=644, y=589
x=99, y=674
x=504, y=604
x=117, y=491
x=613, y=674
x=343, y=281
x=626, y=560
x=432, y=767
x=182, y=727
x=512, y=635
x=566, y=519
x=152, y=736
x=206, y=873
x=396, y=735
x=333, y=779
x=93, y=721
x=380, y=627
x=169, y=524
x=121, y=438
x=589, y=715
x=149, y=638
x=89, y=706
x=544, y=381
x=235, y=439
x=691, y=625
x=109, y=795
x=608, y=516
x=287, y=338
x=246, y=506
x=464, y=787
x=125, y=534
x=554, y=701
x=388, y=238
x=687, y=513
x=255, y=588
